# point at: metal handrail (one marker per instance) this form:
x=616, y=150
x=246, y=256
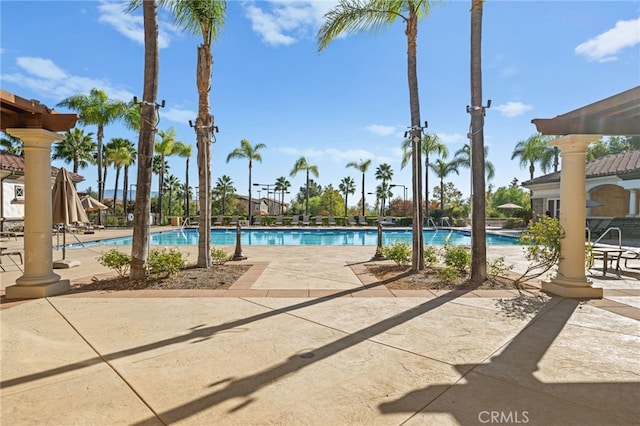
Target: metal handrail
x=613, y=228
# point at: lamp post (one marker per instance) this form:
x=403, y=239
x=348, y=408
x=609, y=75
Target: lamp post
x=268, y=188
x=377, y=199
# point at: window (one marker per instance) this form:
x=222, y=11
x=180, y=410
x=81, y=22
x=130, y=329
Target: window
x=553, y=207
x=18, y=192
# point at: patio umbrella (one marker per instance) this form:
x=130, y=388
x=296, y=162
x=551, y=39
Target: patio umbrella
x=592, y=203
x=90, y=204
x=509, y=206
x=67, y=210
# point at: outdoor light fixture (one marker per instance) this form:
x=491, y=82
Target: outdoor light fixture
x=412, y=128
x=156, y=106
x=478, y=108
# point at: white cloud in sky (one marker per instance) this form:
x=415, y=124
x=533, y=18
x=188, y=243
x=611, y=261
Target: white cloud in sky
x=336, y=155
x=604, y=47
x=284, y=22
x=381, y=130
x=131, y=26
x=44, y=76
x=513, y=109
x=178, y=115
x=452, y=138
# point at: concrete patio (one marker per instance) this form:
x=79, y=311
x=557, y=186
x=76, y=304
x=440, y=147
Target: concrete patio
x=302, y=340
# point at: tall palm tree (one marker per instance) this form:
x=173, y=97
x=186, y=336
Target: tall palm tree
x=11, y=143
x=442, y=169
x=431, y=144
x=167, y=146
x=362, y=166
x=149, y=118
x=347, y=186
x=251, y=153
x=282, y=185
x=76, y=148
x=224, y=186
x=363, y=15
x=118, y=154
x=534, y=150
x=463, y=158
x=383, y=192
x=478, y=165
x=385, y=174
x=133, y=155
x=303, y=165
x=96, y=109
x=184, y=150
x=203, y=18
x=171, y=185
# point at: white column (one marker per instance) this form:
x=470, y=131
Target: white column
x=632, y=202
x=570, y=280
x=38, y=279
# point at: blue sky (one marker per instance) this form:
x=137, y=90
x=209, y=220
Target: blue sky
x=350, y=102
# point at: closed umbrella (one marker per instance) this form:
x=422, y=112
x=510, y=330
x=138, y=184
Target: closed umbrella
x=67, y=209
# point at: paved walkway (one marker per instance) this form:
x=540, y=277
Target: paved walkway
x=294, y=342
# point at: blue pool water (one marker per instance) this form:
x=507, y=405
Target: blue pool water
x=311, y=237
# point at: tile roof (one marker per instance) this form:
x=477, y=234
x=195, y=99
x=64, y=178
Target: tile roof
x=617, y=164
x=15, y=164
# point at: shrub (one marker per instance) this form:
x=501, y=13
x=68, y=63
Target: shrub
x=119, y=262
x=430, y=255
x=219, y=256
x=166, y=261
x=399, y=252
x=542, y=246
x=457, y=257
x=448, y=273
x=498, y=268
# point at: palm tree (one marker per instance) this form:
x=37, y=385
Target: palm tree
x=431, y=144
x=383, y=192
x=224, y=186
x=362, y=15
x=478, y=164
x=462, y=158
x=303, y=165
x=76, y=148
x=347, y=186
x=11, y=144
x=384, y=173
x=118, y=153
x=534, y=150
x=362, y=166
x=282, y=185
x=250, y=152
x=184, y=150
x=133, y=154
x=96, y=109
x=167, y=146
x=442, y=169
x=149, y=118
x=171, y=184
x=202, y=18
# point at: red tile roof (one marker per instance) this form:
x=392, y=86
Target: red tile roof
x=15, y=164
x=617, y=164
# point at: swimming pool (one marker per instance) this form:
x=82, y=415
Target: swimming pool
x=310, y=237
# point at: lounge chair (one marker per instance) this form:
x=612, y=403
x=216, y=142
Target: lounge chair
x=319, y=220
x=11, y=252
x=219, y=220
x=279, y=220
x=234, y=220
x=295, y=219
x=362, y=221
x=388, y=221
x=306, y=219
x=351, y=221
x=629, y=255
x=331, y=221
x=257, y=220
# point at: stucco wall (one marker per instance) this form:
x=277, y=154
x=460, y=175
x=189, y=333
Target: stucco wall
x=615, y=201
x=10, y=208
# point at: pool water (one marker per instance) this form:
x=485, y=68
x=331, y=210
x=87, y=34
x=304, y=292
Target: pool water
x=311, y=237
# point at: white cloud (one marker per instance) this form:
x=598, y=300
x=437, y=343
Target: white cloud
x=52, y=82
x=605, y=46
x=381, y=130
x=451, y=138
x=336, y=155
x=513, y=109
x=178, y=115
x=131, y=26
x=284, y=22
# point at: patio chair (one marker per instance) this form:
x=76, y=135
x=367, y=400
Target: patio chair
x=306, y=219
x=630, y=255
x=351, y=220
x=257, y=220
x=295, y=219
x=319, y=220
x=11, y=252
x=279, y=221
x=234, y=220
x=331, y=221
x=362, y=221
x=218, y=221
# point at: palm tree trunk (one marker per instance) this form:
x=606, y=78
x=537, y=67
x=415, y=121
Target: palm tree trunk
x=99, y=136
x=306, y=209
x=141, y=223
x=417, y=259
x=363, y=200
x=186, y=192
x=204, y=132
x=160, y=188
x=478, y=240
x=125, y=186
x=249, y=213
x=115, y=194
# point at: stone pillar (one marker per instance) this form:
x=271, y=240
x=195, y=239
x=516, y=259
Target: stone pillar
x=38, y=279
x=570, y=280
x=632, y=202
